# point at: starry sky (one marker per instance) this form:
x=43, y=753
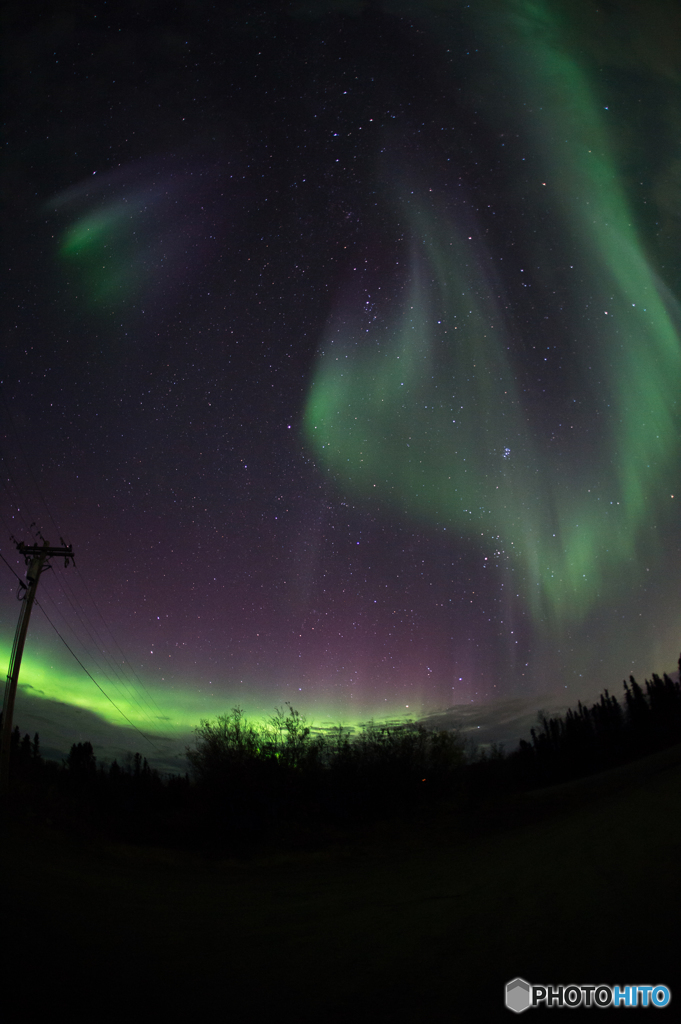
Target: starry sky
x=342, y=341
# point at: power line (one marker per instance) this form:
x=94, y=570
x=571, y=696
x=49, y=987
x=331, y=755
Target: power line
x=84, y=619
x=122, y=713
x=122, y=653
x=12, y=570
x=77, y=607
x=77, y=612
x=147, y=697
x=124, y=683
x=89, y=674
x=37, y=557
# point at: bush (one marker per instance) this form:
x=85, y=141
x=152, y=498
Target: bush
x=281, y=767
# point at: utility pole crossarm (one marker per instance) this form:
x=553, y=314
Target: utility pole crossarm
x=31, y=551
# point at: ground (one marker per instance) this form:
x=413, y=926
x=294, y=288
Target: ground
x=576, y=884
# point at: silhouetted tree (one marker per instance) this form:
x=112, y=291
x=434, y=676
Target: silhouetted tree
x=637, y=706
x=25, y=749
x=81, y=760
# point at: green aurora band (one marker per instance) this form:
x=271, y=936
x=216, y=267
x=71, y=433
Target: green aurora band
x=427, y=415
x=103, y=248
x=150, y=712
x=163, y=709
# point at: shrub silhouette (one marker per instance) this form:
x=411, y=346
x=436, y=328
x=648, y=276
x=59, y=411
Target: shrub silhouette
x=282, y=769
x=224, y=746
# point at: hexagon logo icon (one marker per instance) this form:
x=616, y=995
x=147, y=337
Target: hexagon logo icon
x=518, y=997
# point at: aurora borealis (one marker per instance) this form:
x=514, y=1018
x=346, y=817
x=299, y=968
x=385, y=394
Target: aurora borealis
x=343, y=343
x=569, y=532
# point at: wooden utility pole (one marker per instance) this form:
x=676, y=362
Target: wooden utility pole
x=36, y=557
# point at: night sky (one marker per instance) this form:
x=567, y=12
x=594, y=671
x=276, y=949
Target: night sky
x=342, y=341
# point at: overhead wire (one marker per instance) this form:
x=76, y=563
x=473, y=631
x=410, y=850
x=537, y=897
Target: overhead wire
x=14, y=573
x=80, y=612
x=66, y=585
x=98, y=644
x=130, y=696
x=122, y=653
x=82, y=617
x=72, y=652
x=77, y=659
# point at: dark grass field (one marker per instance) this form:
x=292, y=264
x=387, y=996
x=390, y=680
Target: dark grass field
x=419, y=921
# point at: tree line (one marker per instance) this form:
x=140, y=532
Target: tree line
x=609, y=733
x=251, y=782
